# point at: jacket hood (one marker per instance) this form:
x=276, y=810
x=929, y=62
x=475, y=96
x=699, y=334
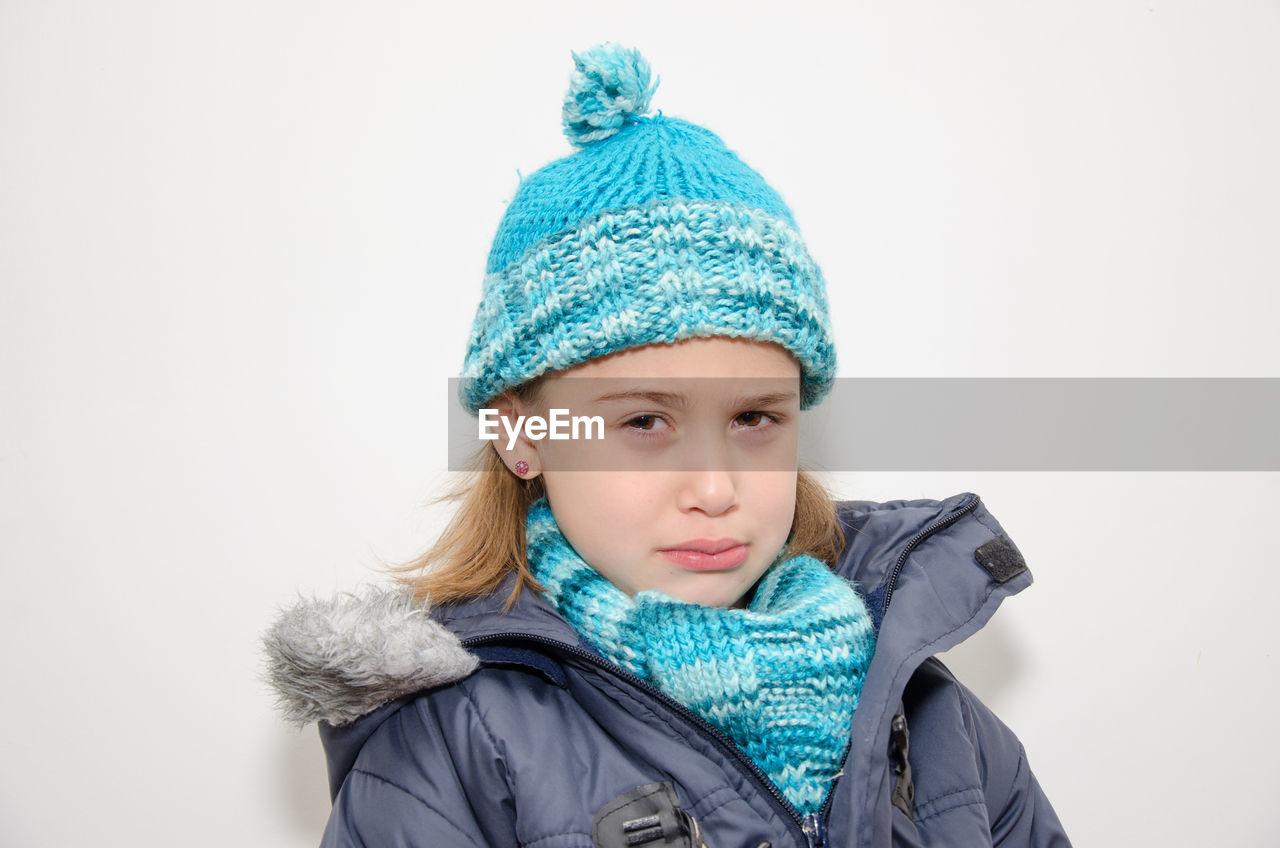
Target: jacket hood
x=339, y=659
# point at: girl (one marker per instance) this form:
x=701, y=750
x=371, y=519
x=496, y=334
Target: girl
x=667, y=635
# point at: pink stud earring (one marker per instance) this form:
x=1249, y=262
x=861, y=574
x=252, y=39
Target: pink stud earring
x=522, y=468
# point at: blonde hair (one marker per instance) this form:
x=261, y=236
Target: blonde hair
x=484, y=542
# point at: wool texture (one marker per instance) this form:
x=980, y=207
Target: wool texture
x=652, y=232
x=336, y=660
x=780, y=678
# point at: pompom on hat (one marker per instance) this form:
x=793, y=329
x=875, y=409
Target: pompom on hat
x=652, y=232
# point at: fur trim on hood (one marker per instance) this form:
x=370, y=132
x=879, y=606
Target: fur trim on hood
x=336, y=660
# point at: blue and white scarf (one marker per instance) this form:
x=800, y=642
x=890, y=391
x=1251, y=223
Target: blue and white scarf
x=780, y=678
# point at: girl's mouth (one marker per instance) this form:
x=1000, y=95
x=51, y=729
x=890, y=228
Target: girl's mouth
x=707, y=554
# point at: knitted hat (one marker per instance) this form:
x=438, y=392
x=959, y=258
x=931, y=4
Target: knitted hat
x=652, y=232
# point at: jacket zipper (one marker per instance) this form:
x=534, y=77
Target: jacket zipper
x=946, y=521
x=813, y=826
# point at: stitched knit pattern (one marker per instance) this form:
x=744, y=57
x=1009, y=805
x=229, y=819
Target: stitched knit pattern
x=780, y=678
x=657, y=273
x=653, y=232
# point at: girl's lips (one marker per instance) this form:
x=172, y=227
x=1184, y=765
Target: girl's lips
x=694, y=560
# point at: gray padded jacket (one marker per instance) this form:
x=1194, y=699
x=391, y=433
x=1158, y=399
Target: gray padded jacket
x=471, y=725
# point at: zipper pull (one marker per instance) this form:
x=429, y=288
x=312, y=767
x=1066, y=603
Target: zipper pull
x=815, y=830
x=904, y=790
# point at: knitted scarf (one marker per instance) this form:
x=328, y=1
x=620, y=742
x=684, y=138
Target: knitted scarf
x=780, y=678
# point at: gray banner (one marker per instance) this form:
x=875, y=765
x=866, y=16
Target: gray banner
x=1009, y=424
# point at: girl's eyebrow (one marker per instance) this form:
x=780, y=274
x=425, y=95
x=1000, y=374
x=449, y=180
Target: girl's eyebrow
x=764, y=400
x=671, y=399
x=675, y=400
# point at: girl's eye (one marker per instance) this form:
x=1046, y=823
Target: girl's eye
x=754, y=420
x=645, y=422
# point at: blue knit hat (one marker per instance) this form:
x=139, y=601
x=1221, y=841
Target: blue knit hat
x=652, y=232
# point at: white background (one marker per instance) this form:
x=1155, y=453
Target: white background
x=240, y=247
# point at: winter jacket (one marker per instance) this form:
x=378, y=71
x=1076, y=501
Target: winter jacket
x=480, y=726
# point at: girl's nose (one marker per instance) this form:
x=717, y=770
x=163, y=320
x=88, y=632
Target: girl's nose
x=709, y=490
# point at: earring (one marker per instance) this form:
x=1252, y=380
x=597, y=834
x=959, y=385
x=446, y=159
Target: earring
x=522, y=468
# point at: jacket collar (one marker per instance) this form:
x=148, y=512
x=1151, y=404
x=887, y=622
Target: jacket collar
x=488, y=618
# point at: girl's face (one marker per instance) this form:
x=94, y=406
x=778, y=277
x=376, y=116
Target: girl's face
x=692, y=489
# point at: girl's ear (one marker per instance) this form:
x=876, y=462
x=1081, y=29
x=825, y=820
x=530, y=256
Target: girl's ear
x=521, y=454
